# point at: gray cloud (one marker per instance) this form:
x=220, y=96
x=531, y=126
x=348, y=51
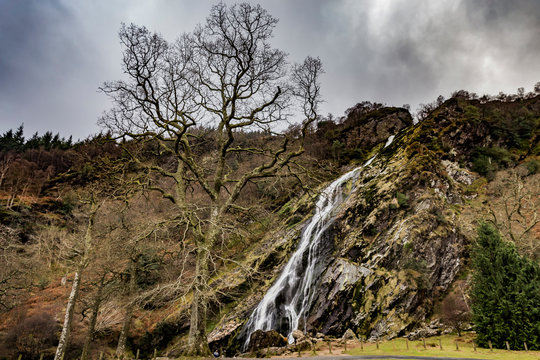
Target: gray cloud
x=54, y=54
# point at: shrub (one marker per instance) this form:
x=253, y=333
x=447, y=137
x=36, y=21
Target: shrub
x=33, y=335
x=533, y=166
x=472, y=114
x=486, y=161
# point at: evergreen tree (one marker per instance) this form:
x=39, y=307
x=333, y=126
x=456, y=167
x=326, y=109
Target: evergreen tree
x=12, y=140
x=506, y=293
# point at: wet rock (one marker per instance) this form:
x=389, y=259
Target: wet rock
x=302, y=342
x=265, y=339
x=331, y=315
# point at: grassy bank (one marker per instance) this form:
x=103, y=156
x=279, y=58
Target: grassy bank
x=465, y=349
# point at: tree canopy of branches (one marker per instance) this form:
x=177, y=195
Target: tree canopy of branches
x=514, y=210
x=224, y=75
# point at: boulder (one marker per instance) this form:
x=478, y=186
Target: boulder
x=349, y=336
x=303, y=345
x=302, y=342
x=220, y=336
x=261, y=339
x=298, y=335
x=434, y=328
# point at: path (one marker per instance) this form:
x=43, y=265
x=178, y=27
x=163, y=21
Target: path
x=367, y=357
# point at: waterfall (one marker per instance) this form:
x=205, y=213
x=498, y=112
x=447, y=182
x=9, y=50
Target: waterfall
x=289, y=299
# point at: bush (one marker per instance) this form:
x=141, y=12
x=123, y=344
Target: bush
x=472, y=114
x=533, y=166
x=33, y=335
x=486, y=161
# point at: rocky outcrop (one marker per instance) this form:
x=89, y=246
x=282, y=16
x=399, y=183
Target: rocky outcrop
x=396, y=243
x=329, y=314
x=264, y=339
x=371, y=128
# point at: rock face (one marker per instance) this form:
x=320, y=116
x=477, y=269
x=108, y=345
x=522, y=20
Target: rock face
x=397, y=243
x=391, y=260
x=367, y=129
x=265, y=339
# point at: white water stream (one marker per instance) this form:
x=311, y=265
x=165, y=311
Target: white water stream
x=290, y=297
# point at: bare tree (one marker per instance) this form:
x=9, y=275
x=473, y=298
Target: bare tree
x=107, y=184
x=100, y=295
x=513, y=209
x=83, y=253
x=224, y=75
x=10, y=273
x=5, y=163
x=135, y=237
x=456, y=311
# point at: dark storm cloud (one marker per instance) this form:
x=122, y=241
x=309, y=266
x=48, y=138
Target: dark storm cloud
x=41, y=62
x=54, y=54
x=410, y=51
x=24, y=27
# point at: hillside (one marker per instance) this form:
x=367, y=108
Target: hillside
x=397, y=245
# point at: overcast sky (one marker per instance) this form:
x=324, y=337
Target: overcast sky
x=54, y=54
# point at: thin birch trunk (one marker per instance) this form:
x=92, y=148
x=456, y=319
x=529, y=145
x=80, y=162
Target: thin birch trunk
x=70, y=310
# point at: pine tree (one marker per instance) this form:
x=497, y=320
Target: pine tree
x=506, y=293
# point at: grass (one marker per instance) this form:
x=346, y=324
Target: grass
x=416, y=348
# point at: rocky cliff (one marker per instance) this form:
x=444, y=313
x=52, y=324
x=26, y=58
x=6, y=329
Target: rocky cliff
x=400, y=239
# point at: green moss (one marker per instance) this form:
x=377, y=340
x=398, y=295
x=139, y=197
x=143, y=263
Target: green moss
x=294, y=219
x=402, y=199
x=370, y=192
x=475, y=187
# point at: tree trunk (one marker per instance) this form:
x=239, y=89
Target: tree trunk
x=93, y=319
x=70, y=309
x=197, y=341
x=121, y=347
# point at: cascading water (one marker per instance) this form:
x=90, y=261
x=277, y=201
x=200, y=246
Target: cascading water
x=289, y=299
